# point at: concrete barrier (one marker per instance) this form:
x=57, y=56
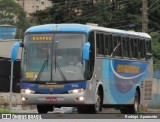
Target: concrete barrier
x=5, y=99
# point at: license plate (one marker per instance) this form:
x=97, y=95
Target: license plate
x=51, y=99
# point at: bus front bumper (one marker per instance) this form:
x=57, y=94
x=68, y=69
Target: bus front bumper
x=56, y=99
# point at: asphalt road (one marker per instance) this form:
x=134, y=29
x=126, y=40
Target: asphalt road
x=104, y=111
x=68, y=110
x=71, y=113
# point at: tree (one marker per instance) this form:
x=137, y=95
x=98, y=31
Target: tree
x=155, y=47
x=127, y=14
x=57, y=1
x=62, y=11
x=13, y=14
x=154, y=15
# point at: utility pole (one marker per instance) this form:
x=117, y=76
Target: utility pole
x=144, y=16
x=93, y=2
x=23, y=4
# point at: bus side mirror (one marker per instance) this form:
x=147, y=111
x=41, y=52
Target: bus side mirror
x=15, y=48
x=86, y=50
x=148, y=55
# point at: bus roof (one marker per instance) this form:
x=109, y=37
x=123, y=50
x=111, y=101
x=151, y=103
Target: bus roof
x=59, y=28
x=82, y=28
x=123, y=32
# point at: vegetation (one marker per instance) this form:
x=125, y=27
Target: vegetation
x=156, y=48
x=3, y=111
x=157, y=106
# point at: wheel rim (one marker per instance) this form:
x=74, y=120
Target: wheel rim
x=136, y=104
x=98, y=102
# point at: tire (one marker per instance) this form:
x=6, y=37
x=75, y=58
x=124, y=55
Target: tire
x=42, y=109
x=92, y=109
x=124, y=110
x=133, y=109
x=97, y=107
x=83, y=109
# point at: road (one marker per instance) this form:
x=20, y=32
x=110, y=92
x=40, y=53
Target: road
x=71, y=113
x=32, y=109
x=105, y=110
x=74, y=110
x=107, y=113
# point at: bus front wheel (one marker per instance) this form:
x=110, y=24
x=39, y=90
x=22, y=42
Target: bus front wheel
x=97, y=107
x=43, y=109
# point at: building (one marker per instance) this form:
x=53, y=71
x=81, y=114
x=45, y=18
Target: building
x=31, y=6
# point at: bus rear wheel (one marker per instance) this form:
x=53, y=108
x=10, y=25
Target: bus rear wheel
x=133, y=109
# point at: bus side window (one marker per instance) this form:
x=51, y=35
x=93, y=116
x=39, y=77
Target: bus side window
x=115, y=43
x=103, y=45
x=124, y=46
x=127, y=47
x=106, y=45
x=147, y=46
x=110, y=44
x=118, y=46
x=99, y=43
x=141, y=48
x=134, y=48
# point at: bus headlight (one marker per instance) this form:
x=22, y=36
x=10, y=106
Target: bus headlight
x=74, y=91
x=27, y=91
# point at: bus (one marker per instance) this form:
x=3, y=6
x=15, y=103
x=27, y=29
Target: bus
x=85, y=66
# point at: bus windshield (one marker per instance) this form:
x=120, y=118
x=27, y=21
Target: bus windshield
x=53, y=57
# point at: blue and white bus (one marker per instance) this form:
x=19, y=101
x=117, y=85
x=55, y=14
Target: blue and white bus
x=85, y=66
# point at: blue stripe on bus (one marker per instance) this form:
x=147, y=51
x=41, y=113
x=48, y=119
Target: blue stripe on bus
x=58, y=90
x=121, y=86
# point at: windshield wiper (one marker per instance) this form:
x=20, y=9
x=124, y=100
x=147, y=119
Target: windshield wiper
x=56, y=64
x=45, y=63
x=60, y=71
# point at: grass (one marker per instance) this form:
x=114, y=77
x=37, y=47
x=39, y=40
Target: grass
x=155, y=106
x=2, y=111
